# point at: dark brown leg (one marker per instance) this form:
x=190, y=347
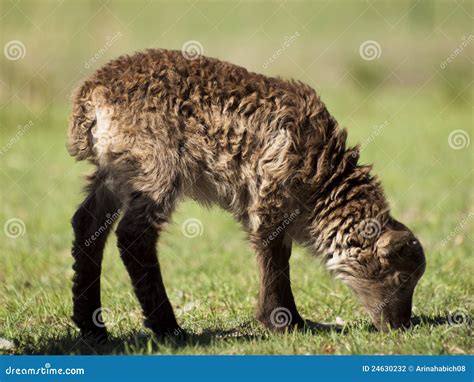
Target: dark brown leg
x=276, y=306
x=137, y=236
x=92, y=223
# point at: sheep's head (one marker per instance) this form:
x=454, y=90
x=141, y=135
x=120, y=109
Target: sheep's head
x=384, y=274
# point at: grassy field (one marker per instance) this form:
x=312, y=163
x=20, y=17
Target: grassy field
x=413, y=117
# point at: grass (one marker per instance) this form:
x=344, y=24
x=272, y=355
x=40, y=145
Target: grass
x=402, y=107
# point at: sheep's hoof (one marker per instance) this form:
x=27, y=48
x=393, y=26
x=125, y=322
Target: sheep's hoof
x=174, y=334
x=283, y=323
x=95, y=334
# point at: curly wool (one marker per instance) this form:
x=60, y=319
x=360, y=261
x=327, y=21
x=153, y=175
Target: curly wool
x=259, y=147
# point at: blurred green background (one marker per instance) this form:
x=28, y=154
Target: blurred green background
x=415, y=38
x=397, y=74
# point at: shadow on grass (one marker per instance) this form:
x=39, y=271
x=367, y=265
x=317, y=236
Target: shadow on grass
x=133, y=343
x=146, y=343
x=421, y=320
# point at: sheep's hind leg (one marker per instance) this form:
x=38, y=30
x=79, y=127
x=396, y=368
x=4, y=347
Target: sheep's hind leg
x=92, y=223
x=137, y=235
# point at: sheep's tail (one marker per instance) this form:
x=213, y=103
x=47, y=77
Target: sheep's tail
x=83, y=119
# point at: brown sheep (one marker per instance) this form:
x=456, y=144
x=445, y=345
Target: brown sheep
x=160, y=126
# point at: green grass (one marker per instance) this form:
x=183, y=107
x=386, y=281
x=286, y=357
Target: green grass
x=212, y=279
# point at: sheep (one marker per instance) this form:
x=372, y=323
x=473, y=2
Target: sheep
x=160, y=126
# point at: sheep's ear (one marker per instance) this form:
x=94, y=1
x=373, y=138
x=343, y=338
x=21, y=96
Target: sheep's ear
x=391, y=241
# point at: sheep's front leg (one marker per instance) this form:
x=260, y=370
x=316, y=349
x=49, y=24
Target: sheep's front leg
x=276, y=306
x=137, y=236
